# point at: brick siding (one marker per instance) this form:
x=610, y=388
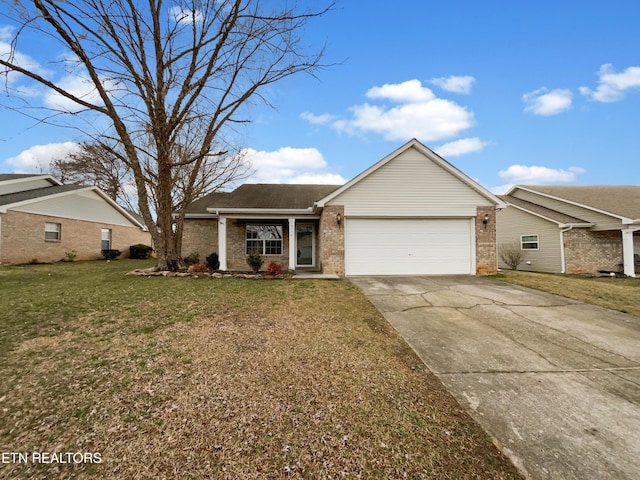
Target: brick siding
x=200, y=235
x=22, y=238
x=588, y=251
x=331, y=240
x=236, y=244
x=486, y=259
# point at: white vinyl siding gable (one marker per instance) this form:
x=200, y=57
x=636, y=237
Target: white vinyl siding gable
x=410, y=185
x=601, y=221
x=86, y=205
x=512, y=224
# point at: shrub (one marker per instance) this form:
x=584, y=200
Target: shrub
x=274, y=268
x=192, y=258
x=110, y=253
x=140, y=251
x=255, y=261
x=213, y=261
x=511, y=254
x=70, y=256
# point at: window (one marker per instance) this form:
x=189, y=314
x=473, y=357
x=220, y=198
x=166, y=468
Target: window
x=106, y=239
x=264, y=239
x=529, y=242
x=52, y=232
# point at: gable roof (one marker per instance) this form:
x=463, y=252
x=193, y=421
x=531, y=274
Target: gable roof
x=543, y=212
x=37, y=194
x=263, y=196
x=431, y=155
x=616, y=200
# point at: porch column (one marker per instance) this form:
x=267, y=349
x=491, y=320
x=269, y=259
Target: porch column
x=292, y=244
x=222, y=242
x=627, y=252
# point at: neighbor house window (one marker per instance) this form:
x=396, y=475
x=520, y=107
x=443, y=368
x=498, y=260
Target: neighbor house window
x=52, y=232
x=529, y=242
x=105, y=244
x=264, y=239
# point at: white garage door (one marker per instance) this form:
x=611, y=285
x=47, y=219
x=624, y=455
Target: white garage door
x=408, y=247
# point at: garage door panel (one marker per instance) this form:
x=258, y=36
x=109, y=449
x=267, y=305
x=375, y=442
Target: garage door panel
x=413, y=247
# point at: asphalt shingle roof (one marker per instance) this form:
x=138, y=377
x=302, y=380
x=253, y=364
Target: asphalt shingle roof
x=263, y=195
x=10, y=198
x=621, y=200
x=554, y=215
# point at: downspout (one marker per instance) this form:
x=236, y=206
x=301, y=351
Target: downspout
x=562, y=257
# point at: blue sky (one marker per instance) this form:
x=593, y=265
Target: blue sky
x=510, y=92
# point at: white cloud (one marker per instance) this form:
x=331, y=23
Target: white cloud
x=410, y=91
x=612, y=85
x=536, y=175
x=317, y=119
x=546, y=103
x=420, y=114
x=461, y=147
x=455, y=84
x=80, y=86
x=290, y=165
x=6, y=33
x=38, y=158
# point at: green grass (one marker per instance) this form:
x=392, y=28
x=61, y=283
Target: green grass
x=203, y=378
x=622, y=294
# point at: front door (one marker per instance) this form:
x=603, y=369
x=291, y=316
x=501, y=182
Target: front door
x=305, y=245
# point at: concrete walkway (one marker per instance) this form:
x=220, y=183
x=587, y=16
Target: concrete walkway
x=556, y=382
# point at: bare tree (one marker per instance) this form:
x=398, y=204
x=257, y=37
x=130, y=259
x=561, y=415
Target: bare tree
x=155, y=72
x=96, y=164
x=511, y=254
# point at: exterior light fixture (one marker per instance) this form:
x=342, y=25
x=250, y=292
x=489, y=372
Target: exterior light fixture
x=485, y=220
x=339, y=218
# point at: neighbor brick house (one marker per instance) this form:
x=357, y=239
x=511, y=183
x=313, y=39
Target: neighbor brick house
x=410, y=213
x=573, y=229
x=42, y=220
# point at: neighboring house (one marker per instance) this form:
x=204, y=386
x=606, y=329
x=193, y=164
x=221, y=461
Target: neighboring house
x=42, y=220
x=573, y=229
x=410, y=213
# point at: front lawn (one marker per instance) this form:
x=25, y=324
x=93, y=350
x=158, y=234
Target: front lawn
x=622, y=294
x=230, y=379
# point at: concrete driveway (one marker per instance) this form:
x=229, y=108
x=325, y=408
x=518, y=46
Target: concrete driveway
x=556, y=382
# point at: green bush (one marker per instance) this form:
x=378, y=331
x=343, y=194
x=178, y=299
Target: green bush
x=192, y=258
x=213, y=261
x=140, y=251
x=110, y=253
x=255, y=261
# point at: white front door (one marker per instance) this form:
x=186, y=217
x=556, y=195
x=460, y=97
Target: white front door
x=305, y=245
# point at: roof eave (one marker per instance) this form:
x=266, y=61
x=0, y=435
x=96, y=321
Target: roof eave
x=260, y=211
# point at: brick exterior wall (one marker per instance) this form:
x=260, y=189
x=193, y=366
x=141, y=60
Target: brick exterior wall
x=200, y=235
x=331, y=241
x=588, y=251
x=22, y=238
x=236, y=245
x=486, y=256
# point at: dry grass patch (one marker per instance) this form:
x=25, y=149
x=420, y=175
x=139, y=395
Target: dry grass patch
x=185, y=378
x=622, y=294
